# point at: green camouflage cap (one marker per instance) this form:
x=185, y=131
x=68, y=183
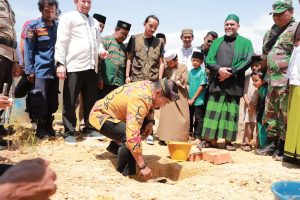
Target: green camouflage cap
x=281, y=5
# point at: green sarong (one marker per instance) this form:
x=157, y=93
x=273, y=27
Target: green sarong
x=221, y=117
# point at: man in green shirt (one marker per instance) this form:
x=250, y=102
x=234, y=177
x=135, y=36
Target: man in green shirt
x=114, y=65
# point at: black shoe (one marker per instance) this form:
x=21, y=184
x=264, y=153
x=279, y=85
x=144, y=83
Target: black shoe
x=162, y=143
x=49, y=128
x=113, y=147
x=4, y=144
x=41, y=133
x=3, y=131
x=267, y=150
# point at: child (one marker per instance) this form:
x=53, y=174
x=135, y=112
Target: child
x=250, y=98
x=174, y=117
x=261, y=85
x=197, y=80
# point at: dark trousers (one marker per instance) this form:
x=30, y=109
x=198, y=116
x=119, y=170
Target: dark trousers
x=6, y=66
x=196, y=120
x=49, y=88
x=125, y=160
x=4, y=168
x=76, y=82
x=106, y=90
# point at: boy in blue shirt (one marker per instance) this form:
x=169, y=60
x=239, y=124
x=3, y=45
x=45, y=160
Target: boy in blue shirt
x=197, y=81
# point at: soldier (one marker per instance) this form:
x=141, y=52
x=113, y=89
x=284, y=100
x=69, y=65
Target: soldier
x=39, y=61
x=9, y=65
x=277, y=50
x=114, y=66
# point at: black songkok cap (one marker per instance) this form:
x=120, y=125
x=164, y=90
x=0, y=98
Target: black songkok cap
x=199, y=55
x=160, y=35
x=124, y=25
x=100, y=18
x=256, y=58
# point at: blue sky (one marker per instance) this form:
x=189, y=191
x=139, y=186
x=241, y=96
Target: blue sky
x=174, y=15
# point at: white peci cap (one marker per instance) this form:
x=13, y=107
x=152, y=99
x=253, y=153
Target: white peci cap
x=170, y=55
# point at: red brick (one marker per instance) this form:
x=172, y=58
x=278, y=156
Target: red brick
x=224, y=157
x=206, y=153
x=195, y=156
x=218, y=157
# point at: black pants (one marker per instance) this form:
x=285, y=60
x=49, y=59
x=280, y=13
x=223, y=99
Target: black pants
x=49, y=88
x=197, y=124
x=6, y=66
x=4, y=168
x=76, y=82
x=125, y=159
x=106, y=90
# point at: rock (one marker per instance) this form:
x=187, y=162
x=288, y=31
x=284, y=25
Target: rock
x=232, y=180
x=259, y=189
x=103, y=197
x=243, y=183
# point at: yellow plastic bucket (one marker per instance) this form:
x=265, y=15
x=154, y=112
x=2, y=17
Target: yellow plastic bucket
x=179, y=151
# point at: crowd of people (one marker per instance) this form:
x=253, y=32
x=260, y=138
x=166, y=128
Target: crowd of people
x=118, y=86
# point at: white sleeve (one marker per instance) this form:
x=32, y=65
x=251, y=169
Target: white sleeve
x=63, y=39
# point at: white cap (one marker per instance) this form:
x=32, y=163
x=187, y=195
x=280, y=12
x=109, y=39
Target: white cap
x=170, y=55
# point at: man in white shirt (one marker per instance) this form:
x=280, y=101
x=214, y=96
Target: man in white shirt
x=185, y=52
x=76, y=54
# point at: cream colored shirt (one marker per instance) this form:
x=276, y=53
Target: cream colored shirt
x=185, y=56
x=78, y=42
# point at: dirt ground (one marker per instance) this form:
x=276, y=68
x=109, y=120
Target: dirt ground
x=87, y=171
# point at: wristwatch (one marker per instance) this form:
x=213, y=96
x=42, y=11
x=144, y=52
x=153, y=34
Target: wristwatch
x=142, y=167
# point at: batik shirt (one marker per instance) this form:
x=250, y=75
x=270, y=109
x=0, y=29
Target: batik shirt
x=279, y=56
x=129, y=103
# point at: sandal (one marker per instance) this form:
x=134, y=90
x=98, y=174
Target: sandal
x=246, y=148
x=206, y=144
x=230, y=147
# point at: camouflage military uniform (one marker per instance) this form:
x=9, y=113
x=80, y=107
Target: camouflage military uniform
x=278, y=59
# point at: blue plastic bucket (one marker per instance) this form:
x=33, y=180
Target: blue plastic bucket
x=286, y=190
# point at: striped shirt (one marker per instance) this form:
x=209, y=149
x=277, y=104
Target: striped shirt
x=113, y=68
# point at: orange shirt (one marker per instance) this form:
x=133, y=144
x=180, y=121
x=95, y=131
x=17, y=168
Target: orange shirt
x=129, y=103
